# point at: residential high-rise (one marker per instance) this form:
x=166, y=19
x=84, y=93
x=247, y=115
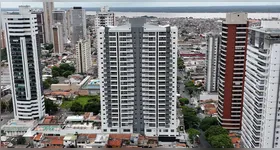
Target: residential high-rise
x=231, y=70
x=24, y=63
x=68, y=24
x=212, y=62
x=138, y=78
x=59, y=16
x=48, y=20
x=58, y=40
x=83, y=56
x=78, y=24
x=40, y=22
x=261, y=119
x=1, y=44
x=105, y=18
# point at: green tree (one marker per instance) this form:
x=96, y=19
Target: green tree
x=48, y=46
x=66, y=74
x=51, y=107
x=190, y=118
x=192, y=133
x=21, y=140
x=46, y=85
x=4, y=54
x=10, y=106
x=92, y=107
x=3, y=106
x=179, y=78
x=180, y=63
x=184, y=101
x=55, y=73
x=207, y=122
x=215, y=130
x=221, y=141
x=76, y=107
x=66, y=67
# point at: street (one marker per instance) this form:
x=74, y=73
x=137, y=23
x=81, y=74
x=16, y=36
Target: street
x=183, y=93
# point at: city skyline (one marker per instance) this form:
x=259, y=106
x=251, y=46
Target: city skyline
x=136, y=4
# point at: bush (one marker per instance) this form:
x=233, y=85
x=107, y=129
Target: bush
x=184, y=101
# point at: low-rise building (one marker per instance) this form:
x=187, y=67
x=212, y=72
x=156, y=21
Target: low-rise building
x=16, y=128
x=69, y=141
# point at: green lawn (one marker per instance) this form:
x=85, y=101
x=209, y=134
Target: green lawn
x=81, y=99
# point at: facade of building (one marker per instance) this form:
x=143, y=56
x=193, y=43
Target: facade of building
x=48, y=21
x=83, y=56
x=260, y=119
x=23, y=51
x=138, y=78
x=59, y=16
x=231, y=70
x=40, y=22
x=105, y=18
x=78, y=24
x=212, y=62
x=58, y=40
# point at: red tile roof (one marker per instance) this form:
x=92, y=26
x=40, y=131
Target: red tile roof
x=120, y=136
x=115, y=143
x=37, y=137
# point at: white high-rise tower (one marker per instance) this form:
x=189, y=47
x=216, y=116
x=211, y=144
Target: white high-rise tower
x=24, y=64
x=261, y=104
x=48, y=21
x=138, y=78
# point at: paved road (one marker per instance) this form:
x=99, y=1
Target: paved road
x=203, y=142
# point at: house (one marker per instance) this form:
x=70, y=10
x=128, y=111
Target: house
x=42, y=141
x=114, y=143
x=69, y=141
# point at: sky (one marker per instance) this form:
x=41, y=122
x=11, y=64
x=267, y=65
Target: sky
x=142, y=3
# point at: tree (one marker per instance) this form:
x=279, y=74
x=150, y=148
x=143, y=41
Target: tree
x=4, y=54
x=192, y=133
x=184, y=101
x=46, y=85
x=215, y=130
x=207, y=122
x=48, y=46
x=55, y=73
x=66, y=67
x=180, y=63
x=66, y=74
x=221, y=141
x=76, y=107
x=190, y=118
x=179, y=78
x=51, y=107
x=92, y=107
x=21, y=140
x=10, y=106
x=3, y=106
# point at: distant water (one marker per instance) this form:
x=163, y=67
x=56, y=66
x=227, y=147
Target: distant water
x=194, y=15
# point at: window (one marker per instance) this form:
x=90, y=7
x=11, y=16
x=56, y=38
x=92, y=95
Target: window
x=148, y=130
x=126, y=130
x=113, y=130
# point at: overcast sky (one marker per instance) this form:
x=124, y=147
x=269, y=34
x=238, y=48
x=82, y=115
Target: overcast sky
x=142, y=3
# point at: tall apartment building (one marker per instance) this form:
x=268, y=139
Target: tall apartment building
x=212, y=62
x=40, y=22
x=48, y=20
x=78, y=24
x=83, y=56
x=231, y=70
x=58, y=39
x=59, y=16
x=138, y=78
x=1, y=44
x=105, y=18
x=68, y=24
x=24, y=63
x=261, y=115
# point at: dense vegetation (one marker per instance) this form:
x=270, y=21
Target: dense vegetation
x=63, y=70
